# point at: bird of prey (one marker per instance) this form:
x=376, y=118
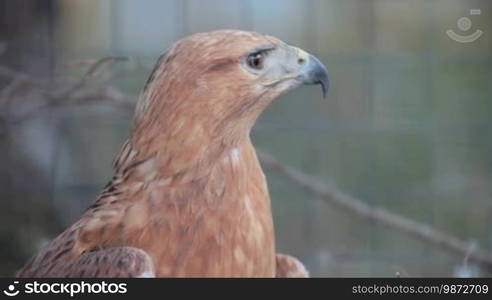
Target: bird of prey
x=188, y=197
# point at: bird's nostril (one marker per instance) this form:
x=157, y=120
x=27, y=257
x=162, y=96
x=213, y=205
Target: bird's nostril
x=300, y=61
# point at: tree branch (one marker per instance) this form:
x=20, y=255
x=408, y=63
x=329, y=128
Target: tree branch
x=332, y=195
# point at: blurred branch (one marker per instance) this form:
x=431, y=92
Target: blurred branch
x=332, y=195
x=56, y=94
x=19, y=76
x=93, y=69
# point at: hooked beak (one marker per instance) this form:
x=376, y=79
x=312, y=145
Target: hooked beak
x=313, y=71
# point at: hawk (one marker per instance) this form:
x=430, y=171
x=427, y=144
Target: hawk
x=188, y=197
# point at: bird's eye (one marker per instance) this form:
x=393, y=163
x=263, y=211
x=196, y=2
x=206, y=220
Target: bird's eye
x=255, y=60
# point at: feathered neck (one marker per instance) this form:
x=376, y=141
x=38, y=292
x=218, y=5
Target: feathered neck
x=180, y=146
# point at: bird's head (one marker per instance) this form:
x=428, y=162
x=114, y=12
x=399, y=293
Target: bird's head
x=216, y=84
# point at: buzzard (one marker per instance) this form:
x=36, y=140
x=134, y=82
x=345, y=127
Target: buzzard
x=188, y=197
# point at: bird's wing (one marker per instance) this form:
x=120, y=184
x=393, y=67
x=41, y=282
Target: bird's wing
x=111, y=262
x=289, y=266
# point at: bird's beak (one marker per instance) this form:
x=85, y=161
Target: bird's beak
x=312, y=71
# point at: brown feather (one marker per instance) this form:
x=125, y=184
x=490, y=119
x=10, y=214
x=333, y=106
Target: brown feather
x=188, y=197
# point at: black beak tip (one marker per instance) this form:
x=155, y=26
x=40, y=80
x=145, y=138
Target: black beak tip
x=324, y=86
x=319, y=75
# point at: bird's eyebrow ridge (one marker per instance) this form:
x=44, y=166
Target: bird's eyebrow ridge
x=265, y=48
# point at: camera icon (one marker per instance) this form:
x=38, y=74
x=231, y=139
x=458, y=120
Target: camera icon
x=464, y=24
x=11, y=291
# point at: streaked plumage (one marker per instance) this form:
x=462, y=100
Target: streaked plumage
x=188, y=196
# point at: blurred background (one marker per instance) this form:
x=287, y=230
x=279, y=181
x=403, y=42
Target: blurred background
x=406, y=126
